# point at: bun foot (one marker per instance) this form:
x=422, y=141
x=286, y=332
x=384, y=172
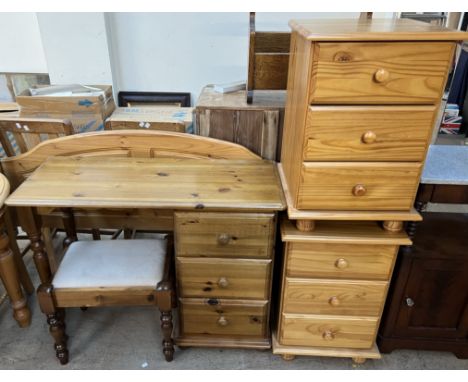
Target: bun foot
x=359, y=360
x=288, y=357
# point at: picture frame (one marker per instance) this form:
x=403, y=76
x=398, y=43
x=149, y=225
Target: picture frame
x=129, y=99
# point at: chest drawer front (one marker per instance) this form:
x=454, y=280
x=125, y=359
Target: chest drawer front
x=328, y=331
x=224, y=234
x=358, y=186
x=370, y=133
x=223, y=278
x=224, y=317
x=315, y=296
x=340, y=261
x=379, y=73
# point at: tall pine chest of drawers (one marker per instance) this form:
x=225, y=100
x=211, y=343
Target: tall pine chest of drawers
x=361, y=103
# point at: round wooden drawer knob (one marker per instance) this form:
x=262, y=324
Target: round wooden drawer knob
x=334, y=301
x=381, y=75
x=223, y=282
x=369, y=137
x=328, y=335
x=359, y=190
x=341, y=263
x=223, y=238
x=222, y=321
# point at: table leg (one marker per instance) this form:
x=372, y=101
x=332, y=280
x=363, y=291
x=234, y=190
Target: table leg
x=10, y=277
x=32, y=228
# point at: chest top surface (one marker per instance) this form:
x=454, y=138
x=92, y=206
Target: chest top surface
x=374, y=30
x=123, y=182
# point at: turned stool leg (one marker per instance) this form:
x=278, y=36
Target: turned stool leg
x=55, y=319
x=168, y=342
x=10, y=277
x=164, y=294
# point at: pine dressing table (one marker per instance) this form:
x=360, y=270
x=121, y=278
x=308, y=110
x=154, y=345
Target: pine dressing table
x=222, y=211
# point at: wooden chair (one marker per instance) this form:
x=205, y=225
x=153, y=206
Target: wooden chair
x=268, y=60
x=54, y=294
x=29, y=132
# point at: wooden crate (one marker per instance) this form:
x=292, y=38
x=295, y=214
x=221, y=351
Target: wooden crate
x=257, y=126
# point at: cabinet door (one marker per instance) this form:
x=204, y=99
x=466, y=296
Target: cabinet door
x=435, y=300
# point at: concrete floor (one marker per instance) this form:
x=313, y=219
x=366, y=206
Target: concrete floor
x=130, y=338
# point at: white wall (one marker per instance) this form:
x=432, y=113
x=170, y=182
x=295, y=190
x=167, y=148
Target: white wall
x=20, y=44
x=137, y=51
x=186, y=51
x=75, y=46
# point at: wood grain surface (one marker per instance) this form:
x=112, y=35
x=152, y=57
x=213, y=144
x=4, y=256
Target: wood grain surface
x=327, y=296
x=223, y=278
x=397, y=133
x=152, y=183
x=345, y=331
x=373, y=30
x=345, y=232
x=224, y=235
x=371, y=262
x=348, y=73
x=224, y=317
x=331, y=185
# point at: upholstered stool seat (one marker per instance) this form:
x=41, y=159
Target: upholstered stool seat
x=111, y=264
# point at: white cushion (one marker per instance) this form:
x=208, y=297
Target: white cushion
x=112, y=263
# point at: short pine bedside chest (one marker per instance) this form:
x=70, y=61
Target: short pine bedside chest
x=361, y=103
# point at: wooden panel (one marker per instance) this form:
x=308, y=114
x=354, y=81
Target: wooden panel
x=272, y=42
x=295, y=114
x=333, y=215
x=392, y=133
x=344, y=232
x=166, y=183
x=382, y=186
x=224, y=234
x=376, y=73
x=136, y=143
x=221, y=278
x=315, y=296
x=271, y=71
x=254, y=129
x=224, y=317
x=328, y=331
x=318, y=351
x=373, y=29
x=372, y=262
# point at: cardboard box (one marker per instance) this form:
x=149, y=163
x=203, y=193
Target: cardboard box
x=86, y=112
x=167, y=118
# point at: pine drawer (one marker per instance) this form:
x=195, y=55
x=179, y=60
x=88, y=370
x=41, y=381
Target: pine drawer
x=379, y=72
x=212, y=234
x=224, y=317
x=367, y=133
x=358, y=186
x=223, y=278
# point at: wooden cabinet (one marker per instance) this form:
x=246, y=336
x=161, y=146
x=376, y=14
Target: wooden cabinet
x=362, y=98
x=224, y=265
x=229, y=117
x=428, y=303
